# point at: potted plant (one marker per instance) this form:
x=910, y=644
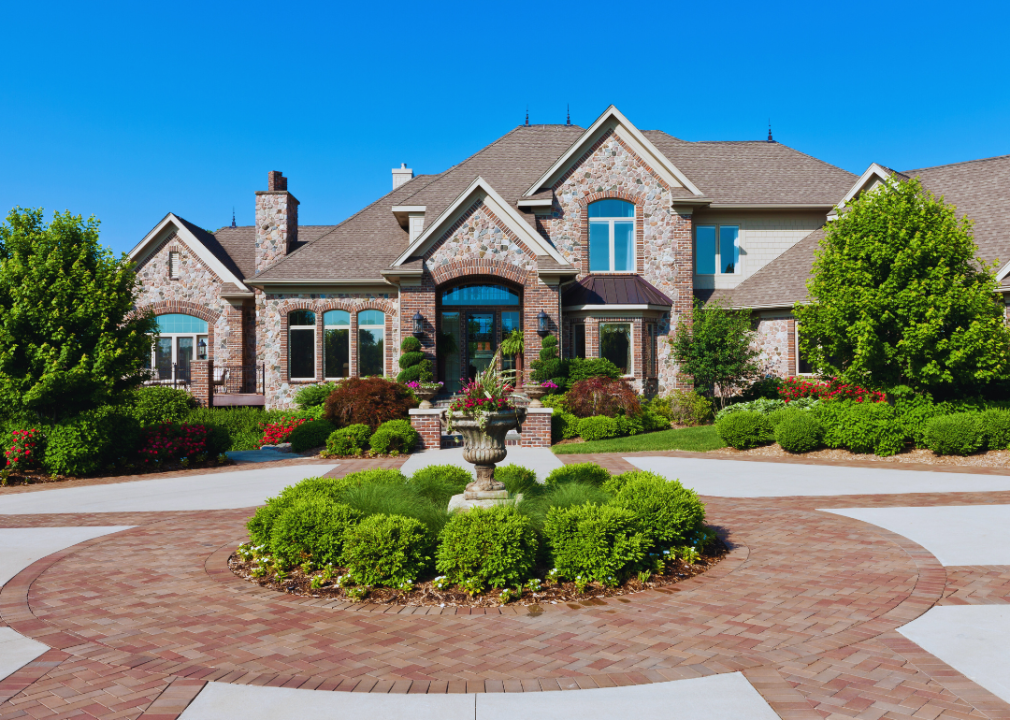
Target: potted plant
x=538, y=390
x=483, y=413
x=425, y=390
x=514, y=346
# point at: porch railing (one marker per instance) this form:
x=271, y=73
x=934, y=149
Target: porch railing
x=176, y=376
x=239, y=379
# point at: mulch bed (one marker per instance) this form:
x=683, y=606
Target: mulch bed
x=425, y=594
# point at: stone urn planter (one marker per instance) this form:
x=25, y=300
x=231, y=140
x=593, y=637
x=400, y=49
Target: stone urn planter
x=535, y=392
x=425, y=395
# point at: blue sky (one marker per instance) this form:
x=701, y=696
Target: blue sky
x=127, y=111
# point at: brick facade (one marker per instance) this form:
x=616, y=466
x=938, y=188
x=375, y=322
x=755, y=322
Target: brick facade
x=537, y=428
x=429, y=427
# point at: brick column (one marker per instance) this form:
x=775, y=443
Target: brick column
x=202, y=382
x=537, y=428
x=428, y=424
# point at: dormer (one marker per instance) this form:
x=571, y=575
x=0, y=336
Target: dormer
x=411, y=219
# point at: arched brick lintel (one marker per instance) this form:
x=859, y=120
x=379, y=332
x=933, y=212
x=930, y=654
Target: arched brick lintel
x=183, y=307
x=480, y=266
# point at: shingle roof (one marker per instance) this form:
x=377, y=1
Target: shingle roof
x=613, y=290
x=979, y=189
x=756, y=172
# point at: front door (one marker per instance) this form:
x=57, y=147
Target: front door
x=480, y=342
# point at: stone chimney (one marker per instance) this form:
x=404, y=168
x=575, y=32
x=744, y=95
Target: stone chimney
x=276, y=221
x=401, y=175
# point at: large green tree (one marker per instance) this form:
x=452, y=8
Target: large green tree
x=898, y=297
x=713, y=346
x=69, y=339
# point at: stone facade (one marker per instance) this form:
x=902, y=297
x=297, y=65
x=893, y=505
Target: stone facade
x=196, y=292
x=479, y=234
x=775, y=341
x=276, y=221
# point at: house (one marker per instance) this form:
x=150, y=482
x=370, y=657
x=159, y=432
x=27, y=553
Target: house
x=601, y=236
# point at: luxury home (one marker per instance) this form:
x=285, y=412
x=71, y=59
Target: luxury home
x=601, y=236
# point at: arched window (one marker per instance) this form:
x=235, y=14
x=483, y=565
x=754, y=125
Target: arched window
x=611, y=236
x=180, y=340
x=336, y=344
x=480, y=294
x=302, y=345
x=371, y=343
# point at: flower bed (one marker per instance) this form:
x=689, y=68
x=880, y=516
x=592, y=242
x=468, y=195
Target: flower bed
x=380, y=535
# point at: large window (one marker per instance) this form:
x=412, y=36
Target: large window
x=480, y=295
x=615, y=345
x=302, y=345
x=336, y=344
x=611, y=236
x=371, y=343
x=717, y=249
x=180, y=340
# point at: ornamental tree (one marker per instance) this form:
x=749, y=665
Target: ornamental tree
x=69, y=338
x=898, y=297
x=713, y=346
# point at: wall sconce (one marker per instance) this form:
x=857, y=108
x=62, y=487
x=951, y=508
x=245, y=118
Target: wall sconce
x=543, y=321
x=418, y=325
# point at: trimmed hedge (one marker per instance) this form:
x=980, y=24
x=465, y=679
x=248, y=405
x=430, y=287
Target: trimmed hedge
x=154, y=405
x=311, y=528
x=351, y=440
x=799, y=432
x=439, y=483
x=394, y=436
x=386, y=550
x=600, y=427
x=745, y=430
x=861, y=427
x=484, y=547
x=594, y=543
x=994, y=425
x=517, y=479
x=957, y=434
x=310, y=435
x=665, y=512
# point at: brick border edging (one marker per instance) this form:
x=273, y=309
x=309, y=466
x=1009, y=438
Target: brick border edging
x=216, y=567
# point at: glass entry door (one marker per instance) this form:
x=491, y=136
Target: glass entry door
x=480, y=341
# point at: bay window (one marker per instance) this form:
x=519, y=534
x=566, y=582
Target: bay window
x=616, y=345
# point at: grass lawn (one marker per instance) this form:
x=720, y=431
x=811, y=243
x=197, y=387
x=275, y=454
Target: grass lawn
x=694, y=439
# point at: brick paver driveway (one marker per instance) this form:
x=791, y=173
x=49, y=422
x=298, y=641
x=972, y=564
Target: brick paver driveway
x=806, y=607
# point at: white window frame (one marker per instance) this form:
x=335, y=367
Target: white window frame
x=737, y=270
x=315, y=346
x=357, y=349
x=796, y=351
x=350, y=343
x=610, y=222
x=631, y=343
x=196, y=337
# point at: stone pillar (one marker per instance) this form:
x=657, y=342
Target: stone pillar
x=428, y=424
x=202, y=382
x=537, y=428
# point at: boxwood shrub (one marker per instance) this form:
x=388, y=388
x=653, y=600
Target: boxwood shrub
x=312, y=434
x=665, y=512
x=311, y=528
x=484, y=547
x=599, y=427
x=386, y=550
x=994, y=425
x=594, y=543
x=744, y=430
x=439, y=483
x=799, y=432
x=564, y=425
x=155, y=405
x=394, y=436
x=587, y=472
x=351, y=440
x=861, y=427
x=957, y=434
x=517, y=479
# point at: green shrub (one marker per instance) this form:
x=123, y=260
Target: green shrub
x=241, y=424
x=652, y=421
x=564, y=426
x=629, y=425
x=684, y=407
x=767, y=406
x=666, y=512
x=375, y=476
x=994, y=424
x=563, y=495
x=587, y=472
x=351, y=440
x=775, y=417
x=310, y=435
x=311, y=528
x=558, y=402
x=767, y=387
x=90, y=441
x=799, y=432
x=394, y=436
x=744, y=430
x=261, y=524
x=913, y=411
x=155, y=405
x=405, y=499
x=386, y=550
x=599, y=427
x=861, y=427
x=585, y=368
x=494, y=546
x=957, y=434
x=311, y=396
x=549, y=366
x=439, y=483
x=517, y=479
x=414, y=366
x=595, y=543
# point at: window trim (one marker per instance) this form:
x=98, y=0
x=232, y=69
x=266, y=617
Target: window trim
x=796, y=352
x=737, y=269
x=631, y=343
x=385, y=319
x=315, y=344
x=633, y=220
x=350, y=344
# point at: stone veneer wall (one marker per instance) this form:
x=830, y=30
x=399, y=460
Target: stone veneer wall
x=196, y=289
x=775, y=340
x=276, y=226
x=272, y=336
x=610, y=169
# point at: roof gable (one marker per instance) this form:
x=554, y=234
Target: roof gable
x=188, y=235
x=613, y=120
x=481, y=190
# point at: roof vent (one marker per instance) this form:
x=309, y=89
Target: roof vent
x=401, y=175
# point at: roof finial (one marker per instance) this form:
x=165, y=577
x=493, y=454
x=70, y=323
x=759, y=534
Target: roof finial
x=770, y=130
x=233, y=217
x=527, y=116
x=568, y=114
